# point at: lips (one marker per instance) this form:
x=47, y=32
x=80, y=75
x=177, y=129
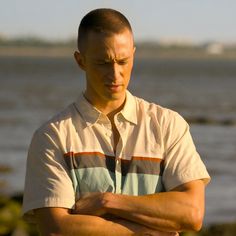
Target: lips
x=113, y=87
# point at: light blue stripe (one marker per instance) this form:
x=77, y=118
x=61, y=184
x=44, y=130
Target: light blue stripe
x=99, y=179
x=141, y=184
x=96, y=179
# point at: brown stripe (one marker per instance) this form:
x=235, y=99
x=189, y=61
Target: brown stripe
x=153, y=159
x=92, y=153
x=137, y=164
x=142, y=166
x=88, y=160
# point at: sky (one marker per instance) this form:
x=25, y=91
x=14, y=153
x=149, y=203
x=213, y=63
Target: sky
x=194, y=20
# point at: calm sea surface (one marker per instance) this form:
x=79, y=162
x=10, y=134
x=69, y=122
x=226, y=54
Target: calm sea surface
x=33, y=89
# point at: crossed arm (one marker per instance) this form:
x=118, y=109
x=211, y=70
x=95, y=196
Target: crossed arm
x=161, y=214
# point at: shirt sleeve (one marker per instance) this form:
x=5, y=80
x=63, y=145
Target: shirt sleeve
x=47, y=182
x=182, y=162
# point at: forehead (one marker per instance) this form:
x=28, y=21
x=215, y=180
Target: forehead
x=103, y=44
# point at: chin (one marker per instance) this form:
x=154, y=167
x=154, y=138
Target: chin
x=115, y=96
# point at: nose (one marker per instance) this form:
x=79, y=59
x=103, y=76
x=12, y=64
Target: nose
x=115, y=71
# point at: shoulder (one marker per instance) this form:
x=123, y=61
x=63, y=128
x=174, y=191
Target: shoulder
x=59, y=122
x=162, y=115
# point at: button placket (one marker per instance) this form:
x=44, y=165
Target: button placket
x=119, y=149
x=107, y=132
x=118, y=175
x=124, y=128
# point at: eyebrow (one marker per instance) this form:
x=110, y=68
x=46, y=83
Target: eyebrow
x=109, y=59
x=124, y=58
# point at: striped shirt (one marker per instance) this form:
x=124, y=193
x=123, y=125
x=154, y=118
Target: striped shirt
x=72, y=154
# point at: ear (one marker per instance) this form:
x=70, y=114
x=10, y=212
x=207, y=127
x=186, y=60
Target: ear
x=79, y=59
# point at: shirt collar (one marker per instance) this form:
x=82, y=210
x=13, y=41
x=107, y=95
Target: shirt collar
x=91, y=114
x=129, y=110
x=88, y=112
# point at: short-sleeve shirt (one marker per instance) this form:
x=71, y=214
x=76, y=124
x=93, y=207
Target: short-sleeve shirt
x=72, y=154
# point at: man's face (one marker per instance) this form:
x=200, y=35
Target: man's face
x=107, y=62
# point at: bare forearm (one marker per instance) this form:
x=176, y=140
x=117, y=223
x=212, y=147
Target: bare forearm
x=178, y=210
x=169, y=211
x=91, y=225
x=158, y=213
x=58, y=222
x=81, y=225
x=73, y=225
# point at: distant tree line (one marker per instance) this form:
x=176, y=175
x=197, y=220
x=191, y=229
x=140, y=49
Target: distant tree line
x=144, y=48
x=35, y=42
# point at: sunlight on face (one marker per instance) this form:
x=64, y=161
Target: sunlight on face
x=108, y=62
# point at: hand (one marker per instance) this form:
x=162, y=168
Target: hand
x=90, y=204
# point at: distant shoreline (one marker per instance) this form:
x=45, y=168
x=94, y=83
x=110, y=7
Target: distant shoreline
x=141, y=52
x=31, y=51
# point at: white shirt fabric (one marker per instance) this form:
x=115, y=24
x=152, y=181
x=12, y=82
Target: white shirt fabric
x=72, y=154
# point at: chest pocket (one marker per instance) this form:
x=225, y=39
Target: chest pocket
x=142, y=175
x=91, y=172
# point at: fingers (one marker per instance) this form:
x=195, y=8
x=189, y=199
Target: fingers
x=90, y=204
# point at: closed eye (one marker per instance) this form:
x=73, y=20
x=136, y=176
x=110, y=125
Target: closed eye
x=102, y=62
x=108, y=62
x=123, y=62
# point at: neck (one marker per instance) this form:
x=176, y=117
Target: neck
x=109, y=108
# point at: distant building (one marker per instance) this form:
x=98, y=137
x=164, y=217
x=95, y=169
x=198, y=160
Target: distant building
x=215, y=48
x=179, y=41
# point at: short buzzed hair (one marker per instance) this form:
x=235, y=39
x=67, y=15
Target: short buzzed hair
x=102, y=20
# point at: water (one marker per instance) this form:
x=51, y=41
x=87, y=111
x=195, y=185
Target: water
x=33, y=89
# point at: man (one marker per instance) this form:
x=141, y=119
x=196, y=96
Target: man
x=112, y=163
